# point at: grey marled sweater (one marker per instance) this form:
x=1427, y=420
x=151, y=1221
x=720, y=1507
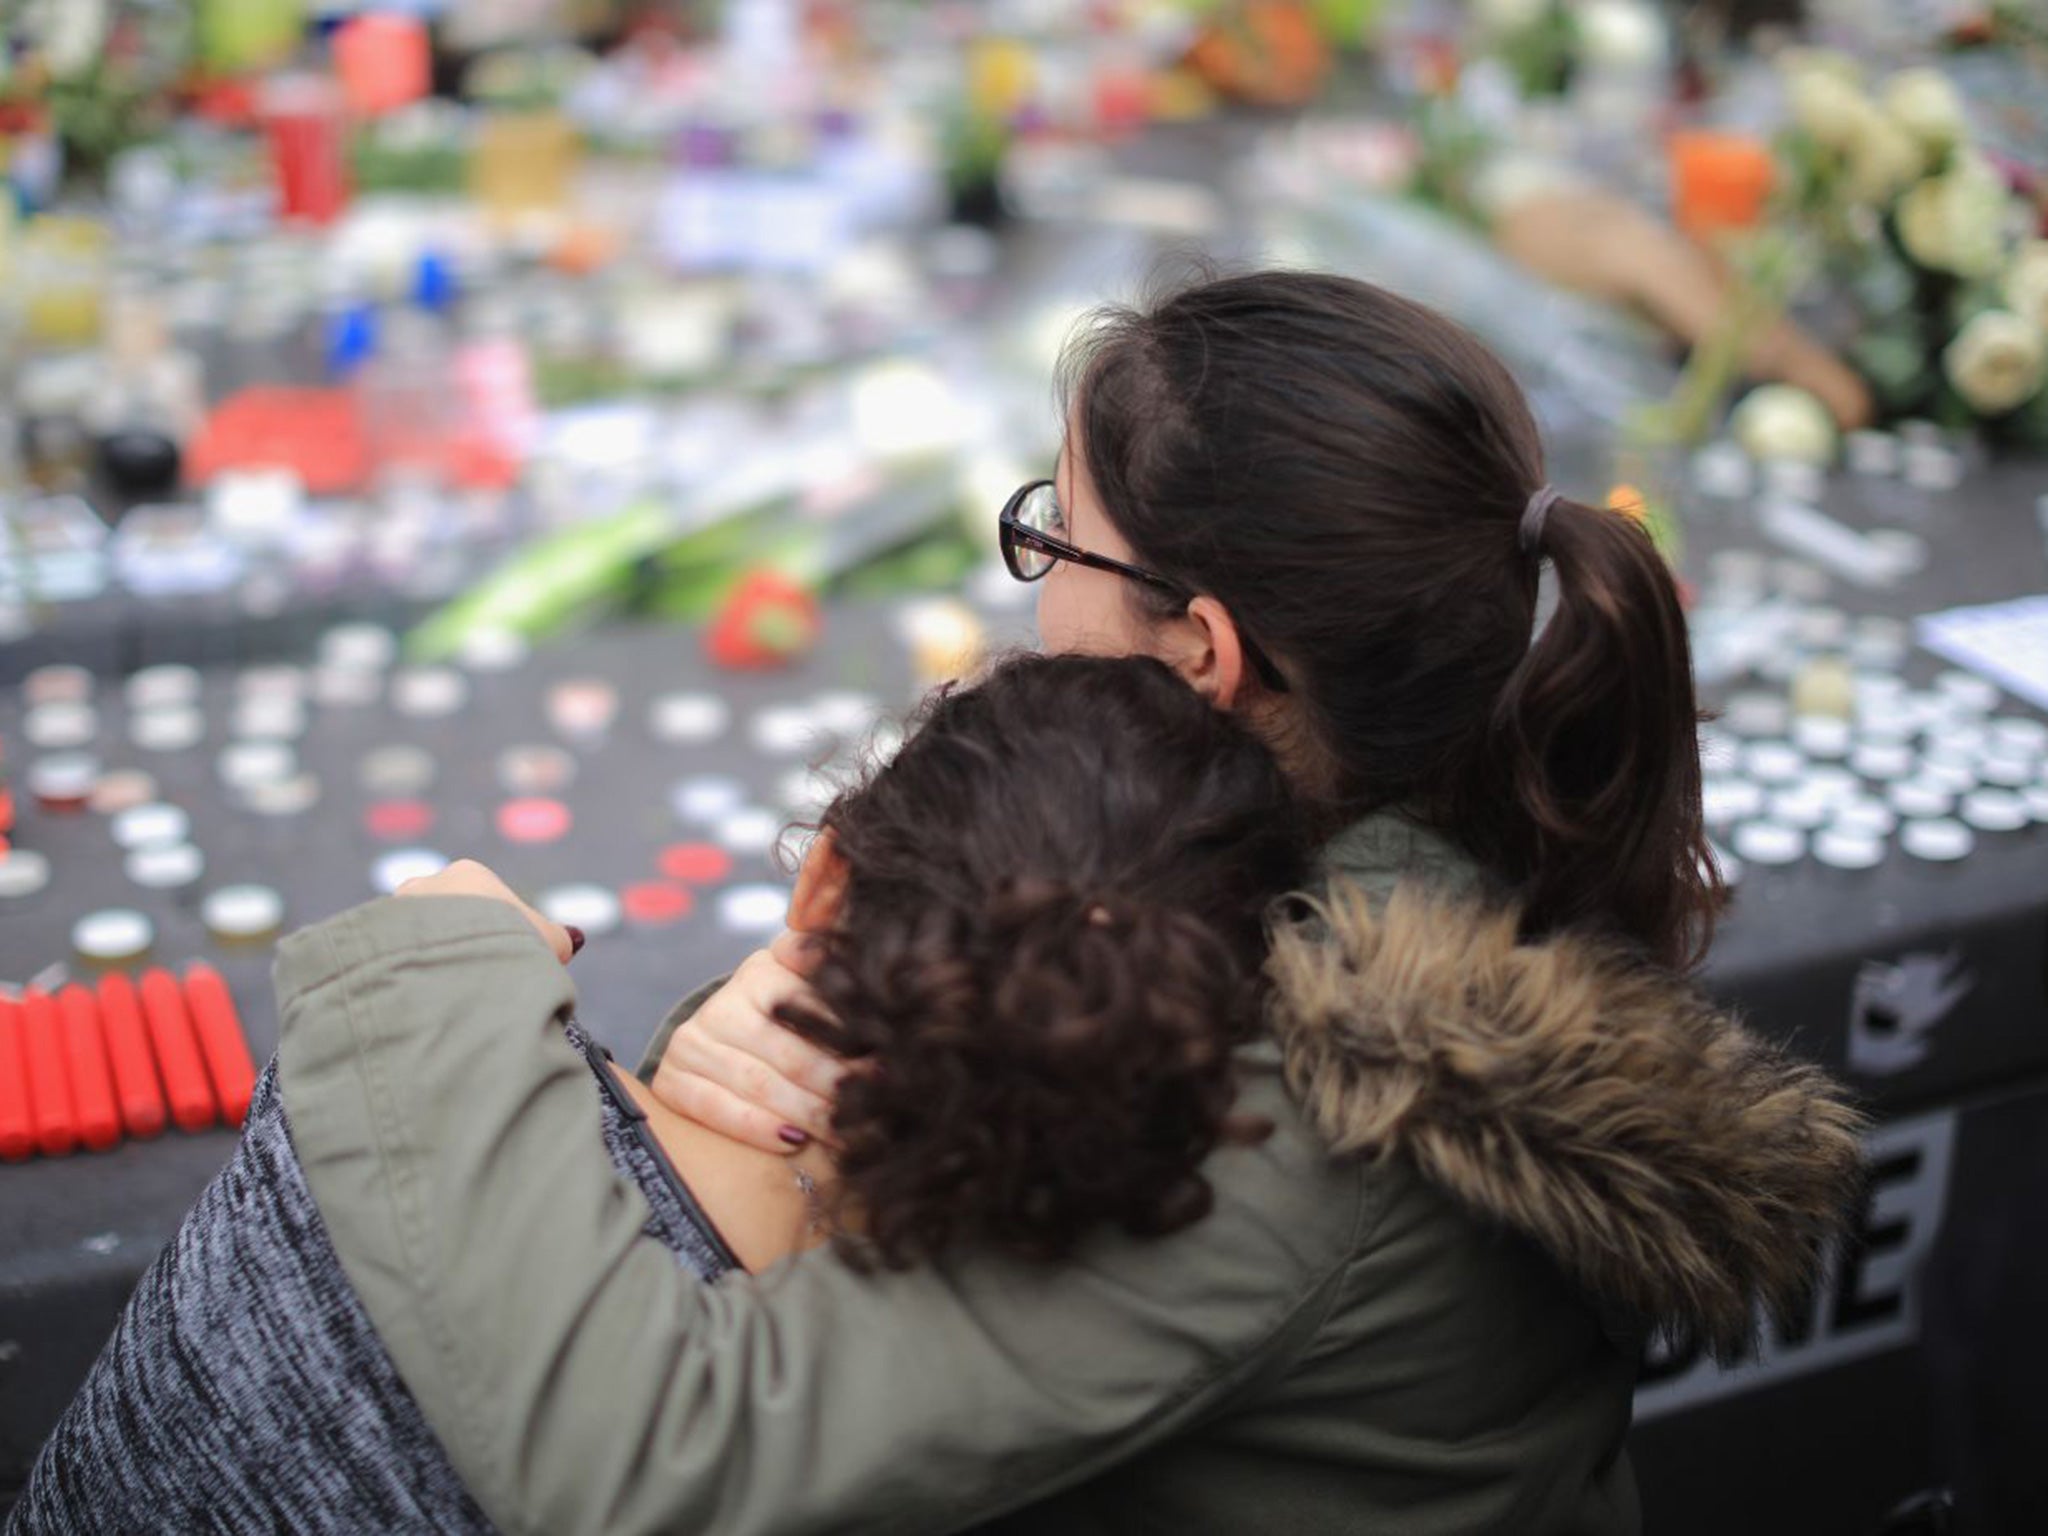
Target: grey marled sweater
x=244, y=1389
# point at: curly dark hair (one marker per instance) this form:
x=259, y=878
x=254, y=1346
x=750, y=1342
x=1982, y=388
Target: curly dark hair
x=1052, y=939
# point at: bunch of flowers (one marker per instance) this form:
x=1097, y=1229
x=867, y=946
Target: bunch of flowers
x=1930, y=242
x=98, y=72
x=1545, y=43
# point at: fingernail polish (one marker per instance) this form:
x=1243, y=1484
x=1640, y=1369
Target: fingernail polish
x=794, y=1137
x=576, y=940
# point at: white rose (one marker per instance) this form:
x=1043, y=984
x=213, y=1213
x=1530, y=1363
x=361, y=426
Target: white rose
x=1829, y=106
x=2026, y=283
x=73, y=32
x=1925, y=104
x=1783, y=421
x=1996, y=361
x=1955, y=222
x=1619, y=34
x=1505, y=18
x=1882, y=158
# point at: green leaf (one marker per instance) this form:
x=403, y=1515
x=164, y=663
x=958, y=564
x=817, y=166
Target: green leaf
x=548, y=583
x=1894, y=363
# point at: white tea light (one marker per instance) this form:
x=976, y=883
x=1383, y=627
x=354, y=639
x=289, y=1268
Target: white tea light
x=242, y=764
x=358, y=647
x=1839, y=849
x=749, y=831
x=1968, y=692
x=1995, y=810
x=592, y=908
x=242, y=913
x=1916, y=799
x=23, y=872
x=1865, y=818
x=162, y=687
x=292, y=796
x=1773, y=762
x=786, y=731
x=1726, y=801
x=1821, y=735
x=60, y=726
x=148, y=826
x=688, y=718
x=1766, y=842
x=396, y=770
x=428, y=693
x=1882, y=760
x=177, y=729
x=706, y=799
x=165, y=867
x=754, y=908
x=403, y=864
x=113, y=935
x=1940, y=841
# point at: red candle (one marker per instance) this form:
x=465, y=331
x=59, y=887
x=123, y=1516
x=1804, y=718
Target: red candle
x=656, y=903
x=92, y=1083
x=136, y=1087
x=49, y=1085
x=221, y=1040
x=17, y=1118
x=177, y=1051
x=303, y=121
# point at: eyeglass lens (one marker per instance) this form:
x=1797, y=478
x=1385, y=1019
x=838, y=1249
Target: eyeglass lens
x=1040, y=512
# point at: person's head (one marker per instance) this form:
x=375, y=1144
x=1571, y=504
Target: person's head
x=1335, y=478
x=1046, y=923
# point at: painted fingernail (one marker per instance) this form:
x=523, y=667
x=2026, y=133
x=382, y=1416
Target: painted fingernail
x=794, y=1137
x=576, y=940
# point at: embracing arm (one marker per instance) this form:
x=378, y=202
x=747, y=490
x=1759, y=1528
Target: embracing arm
x=581, y=1381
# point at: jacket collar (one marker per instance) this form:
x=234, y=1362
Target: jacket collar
x=1681, y=1169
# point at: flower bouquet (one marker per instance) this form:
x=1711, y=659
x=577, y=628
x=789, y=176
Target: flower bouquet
x=1933, y=256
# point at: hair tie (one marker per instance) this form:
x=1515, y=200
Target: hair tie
x=1531, y=533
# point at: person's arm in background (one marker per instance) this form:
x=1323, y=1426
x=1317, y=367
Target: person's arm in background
x=581, y=1381
x=1602, y=244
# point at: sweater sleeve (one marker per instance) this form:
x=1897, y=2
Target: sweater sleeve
x=581, y=1382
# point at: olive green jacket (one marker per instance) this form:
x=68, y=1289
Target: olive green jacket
x=1415, y=1308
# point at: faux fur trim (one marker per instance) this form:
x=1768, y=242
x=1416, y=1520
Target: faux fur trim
x=1664, y=1156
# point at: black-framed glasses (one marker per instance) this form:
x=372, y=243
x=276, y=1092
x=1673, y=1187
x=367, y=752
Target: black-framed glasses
x=1033, y=530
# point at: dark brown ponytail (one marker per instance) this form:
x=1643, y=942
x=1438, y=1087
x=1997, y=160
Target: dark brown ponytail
x=1347, y=472
x=1594, y=739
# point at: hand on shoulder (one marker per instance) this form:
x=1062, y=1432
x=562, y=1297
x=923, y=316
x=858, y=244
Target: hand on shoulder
x=733, y=1068
x=466, y=877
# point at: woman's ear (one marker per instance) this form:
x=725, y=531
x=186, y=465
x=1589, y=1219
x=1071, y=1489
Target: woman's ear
x=820, y=887
x=1207, y=652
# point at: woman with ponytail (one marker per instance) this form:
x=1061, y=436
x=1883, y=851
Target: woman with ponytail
x=1509, y=1140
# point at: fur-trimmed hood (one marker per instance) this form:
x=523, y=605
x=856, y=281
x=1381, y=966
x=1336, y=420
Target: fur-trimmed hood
x=1673, y=1163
